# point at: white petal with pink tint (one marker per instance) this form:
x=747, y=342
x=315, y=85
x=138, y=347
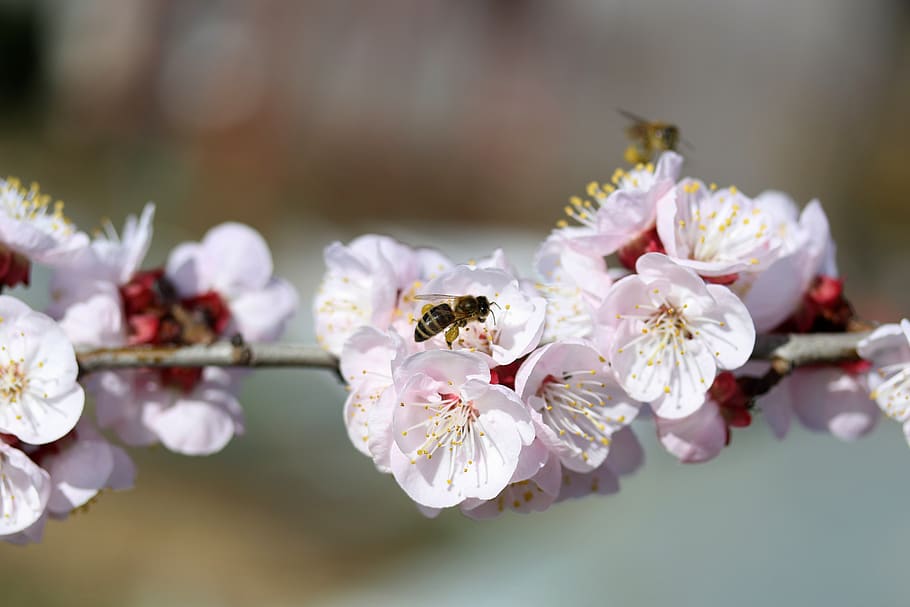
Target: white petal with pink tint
x=367, y=363
x=534, y=487
x=828, y=399
x=32, y=225
x=40, y=400
x=456, y=436
x=79, y=472
x=231, y=259
x=626, y=457
x=579, y=400
x=234, y=261
x=263, y=314
x=573, y=283
x=888, y=349
x=94, y=318
x=696, y=438
x=715, y=233
x=356, y=290
x=623, y=209
x=667, y=332
x=199, y=423
x=24, y=491
x=142, y=411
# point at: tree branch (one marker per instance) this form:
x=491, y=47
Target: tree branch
x=785, y=352
x=220, y=354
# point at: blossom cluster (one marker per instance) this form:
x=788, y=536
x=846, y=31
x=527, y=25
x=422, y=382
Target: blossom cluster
x=56, y=455
x=471, y=385
x=479, y=388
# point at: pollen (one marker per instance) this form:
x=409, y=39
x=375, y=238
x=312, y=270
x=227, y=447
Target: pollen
x=13, y=382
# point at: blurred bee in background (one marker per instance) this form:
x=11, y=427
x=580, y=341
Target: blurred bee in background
x=450, y=315
x=649, y=137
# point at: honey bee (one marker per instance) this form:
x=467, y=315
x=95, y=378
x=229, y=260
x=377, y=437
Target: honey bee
x=648, y=137
x=451, y=315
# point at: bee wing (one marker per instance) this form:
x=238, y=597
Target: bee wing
x=434, y=297
x=630, y=116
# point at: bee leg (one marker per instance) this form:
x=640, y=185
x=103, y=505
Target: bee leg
x=426, y=308
x=451, y=335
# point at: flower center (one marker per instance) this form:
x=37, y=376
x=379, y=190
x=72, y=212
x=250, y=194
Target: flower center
x=665, y=332
x=669, y=320
x=13, y=382
x=452, y=429
x=477, y=337
x=567, y=315
x=156, y=316
x=573, y=404
x=894, y=394
x=451, y=420
x=721, y=230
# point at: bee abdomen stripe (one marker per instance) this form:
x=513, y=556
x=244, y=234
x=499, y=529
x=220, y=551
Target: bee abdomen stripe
x=433, y=322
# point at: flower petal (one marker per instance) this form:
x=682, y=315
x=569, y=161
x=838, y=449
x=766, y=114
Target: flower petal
x=200, y=423
x=696, y=438
x=24, y=492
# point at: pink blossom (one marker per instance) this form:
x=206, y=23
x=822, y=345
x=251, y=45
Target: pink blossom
x=234, y=262
x=456, y=436
x=834, y=400
x=702, y=435
x=24, y=491
x=888, y=349
x=81, y=465
x=534, y=486
x=364, y=284
x=368, y=362
x=497, y=260
x=516, y=322
x=110, y=256
x=718, y=234
x=143, y=410
x=86, y=296
x=626, y=457
x=696, y=438
x=33, y=534
x=667, y=333
x=823, y=399
x=225, y=284
x=806, y=250
x=32, y=229
x=574, y=285
x=77, y=467
x=40, y=400
x=623, y=210
x=579, y=400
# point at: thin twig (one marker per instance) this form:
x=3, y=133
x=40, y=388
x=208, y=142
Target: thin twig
x=789, y=351
x=784, y=351
x=220, y=354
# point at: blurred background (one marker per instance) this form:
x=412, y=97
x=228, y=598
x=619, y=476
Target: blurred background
x=462, y=124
